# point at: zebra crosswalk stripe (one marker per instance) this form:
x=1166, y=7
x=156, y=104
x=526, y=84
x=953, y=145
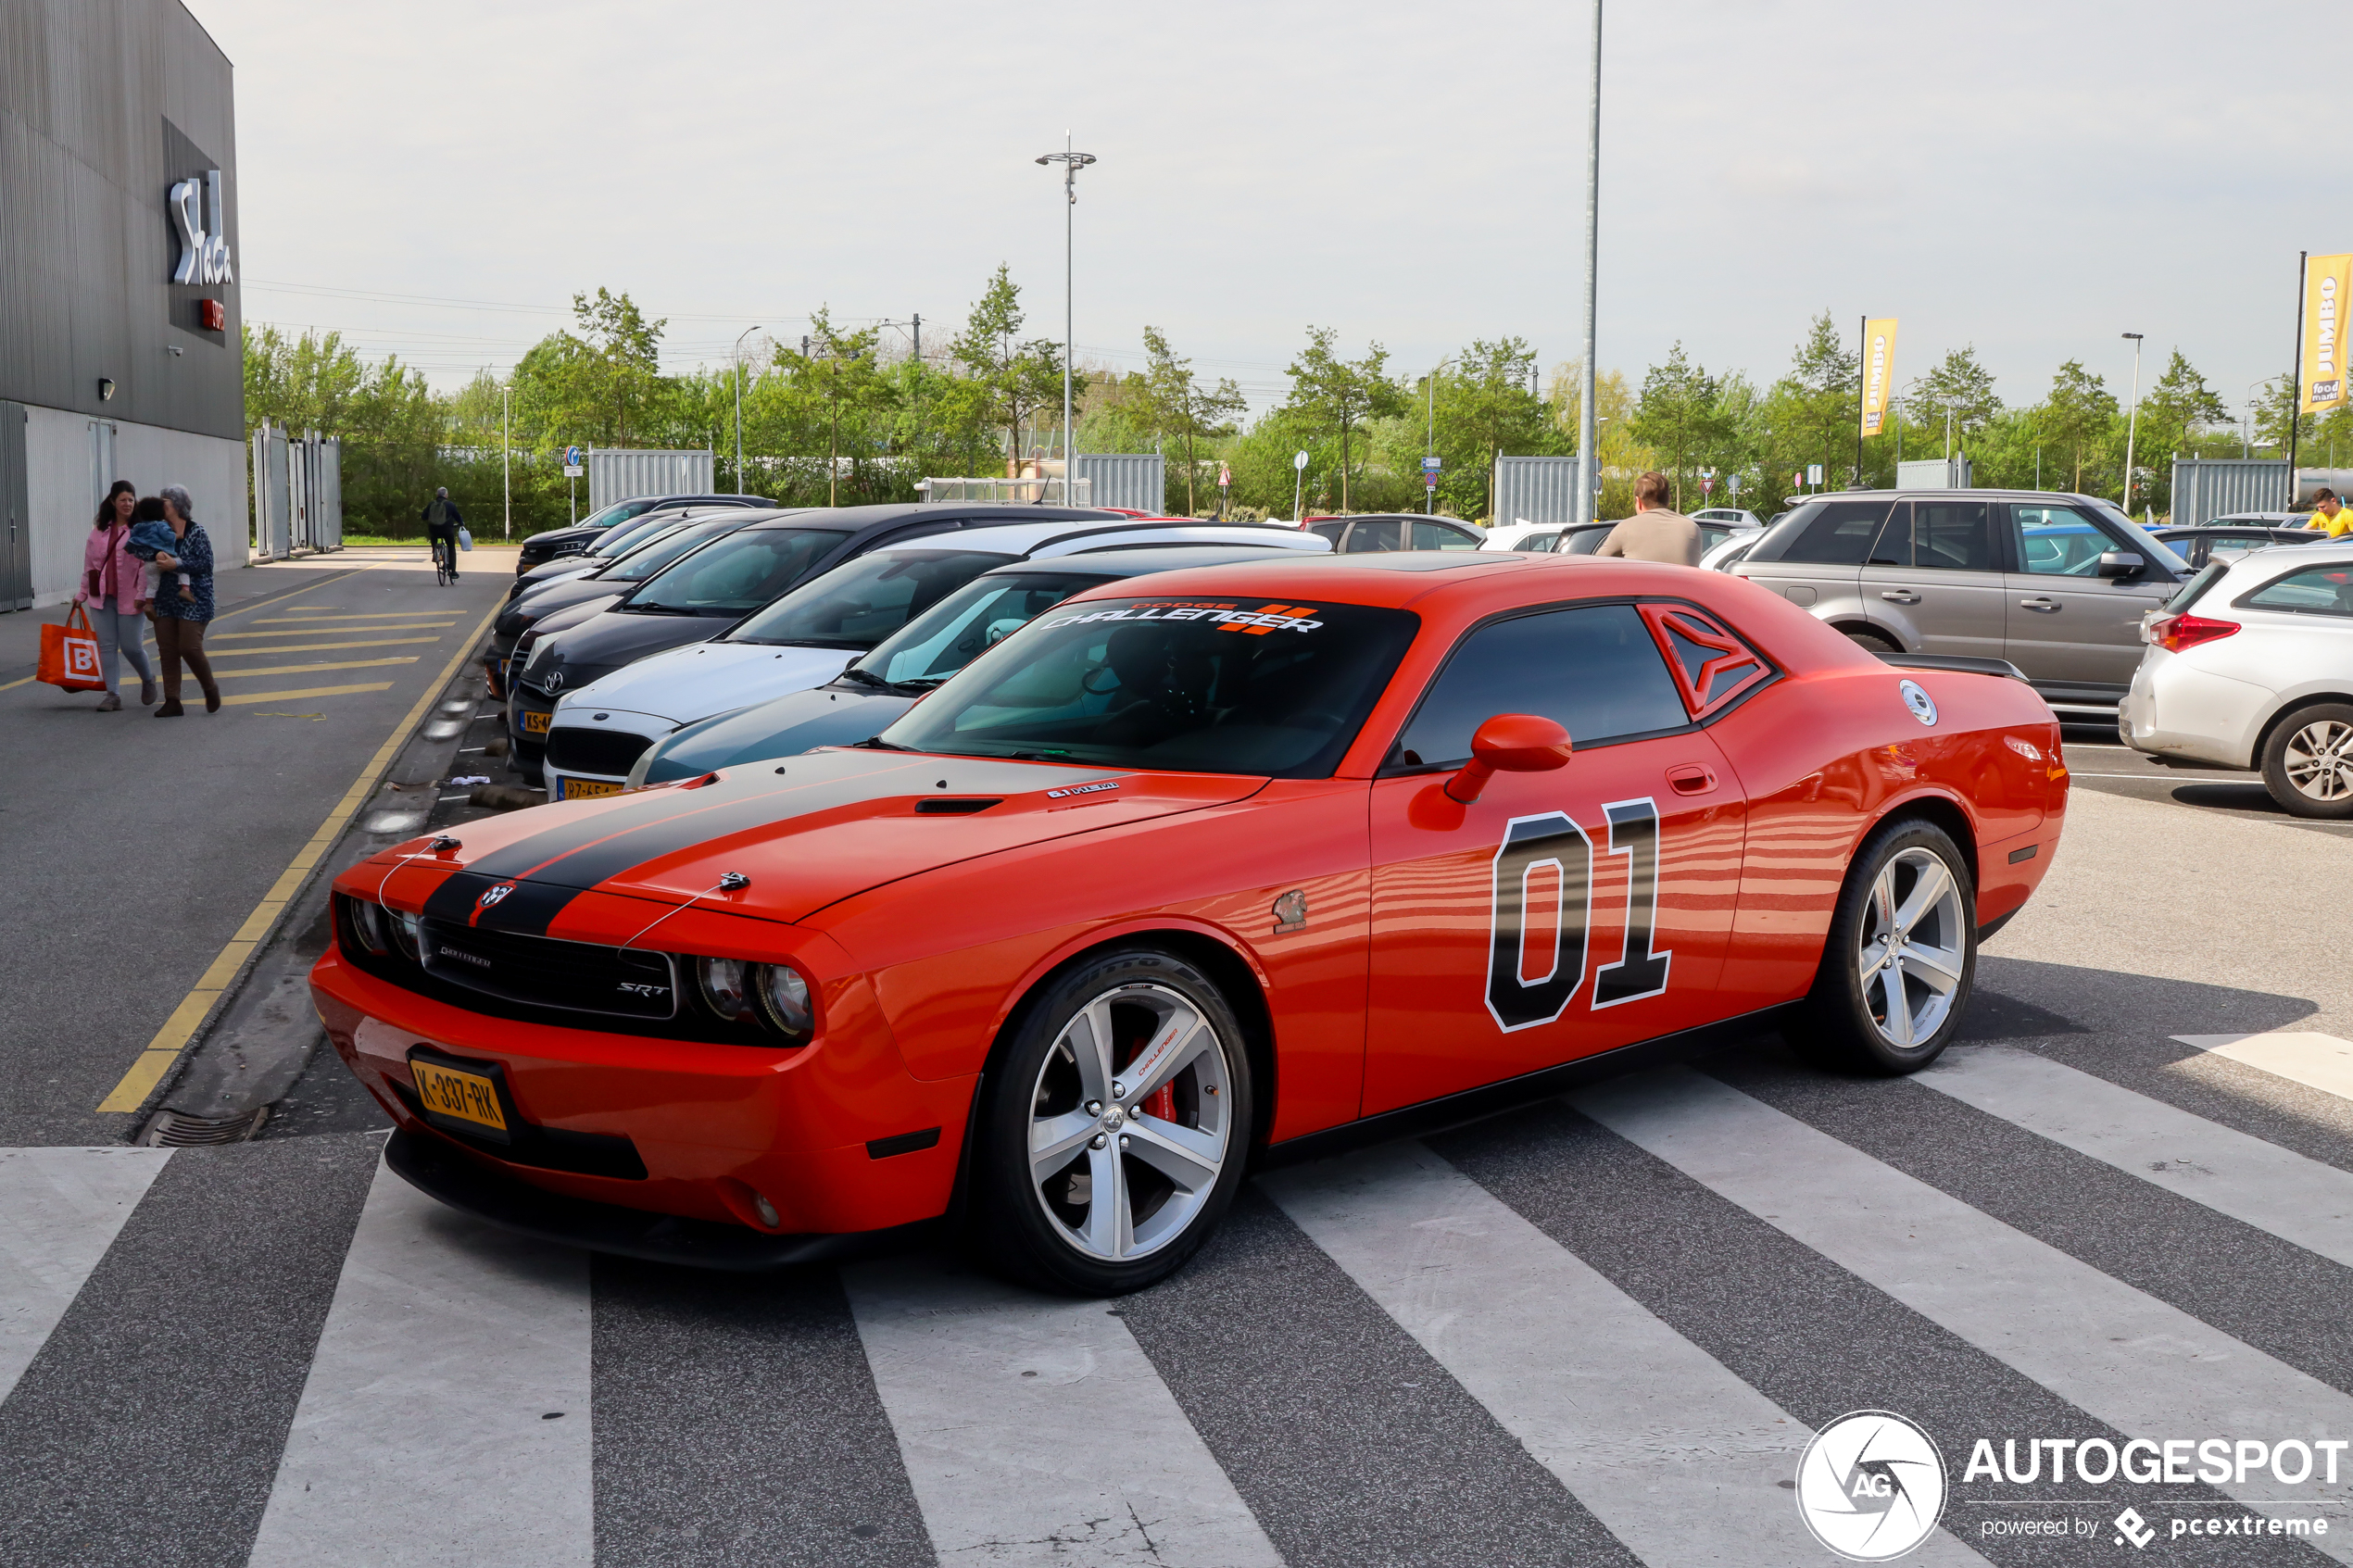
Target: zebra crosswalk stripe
x=60, y=1210
x=2295, y=1197
x=2316, y=1061
x=446, y=1418
x=2146, y=1368
x=1680, y=1459
x=1037, y=1431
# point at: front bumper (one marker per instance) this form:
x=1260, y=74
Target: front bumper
x=828, y=1133
x=529, y=713
x=442, y=1170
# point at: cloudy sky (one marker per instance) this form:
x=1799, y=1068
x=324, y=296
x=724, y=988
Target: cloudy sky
x=436, y=178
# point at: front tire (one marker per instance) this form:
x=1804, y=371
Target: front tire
x=1113, y=1127
x=2307, y=762
x=1901, y=957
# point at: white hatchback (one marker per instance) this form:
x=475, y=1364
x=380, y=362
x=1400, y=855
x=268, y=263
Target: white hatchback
x=809, y=636
x=2250, y=665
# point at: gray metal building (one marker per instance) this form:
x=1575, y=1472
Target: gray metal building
x=119, y=319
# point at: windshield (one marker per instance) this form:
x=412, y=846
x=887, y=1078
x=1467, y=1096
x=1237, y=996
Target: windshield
x=1195, y=685
x=623, y=537
x=620, y=511
x=966, y=624
x=651, y=555
x=737, y=574
x=859, y=603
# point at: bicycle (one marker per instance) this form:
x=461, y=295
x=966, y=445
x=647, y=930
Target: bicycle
x=445, y=560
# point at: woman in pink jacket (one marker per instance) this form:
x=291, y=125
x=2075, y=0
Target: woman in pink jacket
x=114, y=589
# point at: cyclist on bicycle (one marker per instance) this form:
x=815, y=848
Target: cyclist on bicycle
x=442, y=519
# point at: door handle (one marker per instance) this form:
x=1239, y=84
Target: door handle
x=1691, y=778
x=2045, y=604
x=1901, y=596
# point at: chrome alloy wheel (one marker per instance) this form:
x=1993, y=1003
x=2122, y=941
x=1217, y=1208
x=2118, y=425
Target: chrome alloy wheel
x=1129, y=1122
x=1912, y=947
x=2319, y=761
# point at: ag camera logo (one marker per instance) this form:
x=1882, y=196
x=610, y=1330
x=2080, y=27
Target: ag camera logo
x=1870, y=1487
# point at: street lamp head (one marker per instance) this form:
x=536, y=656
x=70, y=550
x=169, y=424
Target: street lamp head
x=2135, y=336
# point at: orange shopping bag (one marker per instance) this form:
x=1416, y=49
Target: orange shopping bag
x=70, y=655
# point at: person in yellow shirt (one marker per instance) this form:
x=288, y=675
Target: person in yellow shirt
x=2328, y=513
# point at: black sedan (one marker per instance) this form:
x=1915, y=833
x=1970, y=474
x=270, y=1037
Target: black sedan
x=703, y=594
x=861, y=701
x=571, y=540
x=2229, y=538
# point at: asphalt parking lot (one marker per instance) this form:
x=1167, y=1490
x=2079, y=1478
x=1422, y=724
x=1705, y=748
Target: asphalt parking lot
x=1596, y=1330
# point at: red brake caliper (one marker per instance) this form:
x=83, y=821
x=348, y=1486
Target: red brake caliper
x=1162, y=1102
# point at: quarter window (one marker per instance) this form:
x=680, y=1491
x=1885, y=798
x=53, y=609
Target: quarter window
x=1594, y=671
x=1945, y=537
x=2316, y=590
x=1382, y=534
x=1839, y=535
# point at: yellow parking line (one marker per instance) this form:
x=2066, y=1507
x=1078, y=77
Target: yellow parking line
x=321, y=648
x=149, y=1068
x=336, y=628
x=337, y=664
x=305, y=691
x=372, y=615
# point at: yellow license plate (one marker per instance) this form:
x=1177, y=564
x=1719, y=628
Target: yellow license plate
x=583, y=789
x=536, y=723
x=469, y=1097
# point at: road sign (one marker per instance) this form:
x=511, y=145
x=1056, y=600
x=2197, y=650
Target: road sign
x=1225, y=476
x=1430, y=465
x=573, y=470
x=1813, y=473
x=1429, y=482
x=1299, y=461
x=1706, y=484
x=1733, y=484
x=571, y=457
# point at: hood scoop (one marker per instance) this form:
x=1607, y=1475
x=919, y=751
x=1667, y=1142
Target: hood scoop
x=955, y=806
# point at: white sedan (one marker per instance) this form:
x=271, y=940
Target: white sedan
x=2250, y=665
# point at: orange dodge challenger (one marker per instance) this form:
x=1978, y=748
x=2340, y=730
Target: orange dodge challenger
x=1271, y=859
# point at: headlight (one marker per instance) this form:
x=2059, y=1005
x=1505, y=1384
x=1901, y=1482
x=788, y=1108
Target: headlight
x=404, y=930
x=726, y=986
x=784, y=996
x=367, y=925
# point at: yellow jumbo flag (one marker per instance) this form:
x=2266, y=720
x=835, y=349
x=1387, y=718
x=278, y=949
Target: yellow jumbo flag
x=1879, y=371
x=2328, y=281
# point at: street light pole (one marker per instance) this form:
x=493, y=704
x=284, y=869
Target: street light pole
x=507, y=453
x=1072, y=163
x=738, y=355
x=1589, y=464
x=2132, y=422
x=1429, y=449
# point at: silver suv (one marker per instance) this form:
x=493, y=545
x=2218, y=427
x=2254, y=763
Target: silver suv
x=2056, y=584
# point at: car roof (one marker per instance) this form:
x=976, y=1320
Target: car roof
x=1135, y=561
x=948, y=515
x=1065, y=536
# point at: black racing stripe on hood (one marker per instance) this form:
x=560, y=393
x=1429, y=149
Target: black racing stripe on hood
x=527, y=907
x=580, y=853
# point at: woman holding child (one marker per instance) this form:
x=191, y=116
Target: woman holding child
x=182, y=611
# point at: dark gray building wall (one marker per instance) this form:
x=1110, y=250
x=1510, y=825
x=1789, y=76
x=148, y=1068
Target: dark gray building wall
x=105, y=104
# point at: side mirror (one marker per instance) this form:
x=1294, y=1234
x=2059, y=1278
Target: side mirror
x=1509, y=742
x=2121, y=563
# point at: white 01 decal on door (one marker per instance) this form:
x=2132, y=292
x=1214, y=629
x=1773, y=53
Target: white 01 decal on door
x=1518, y=1000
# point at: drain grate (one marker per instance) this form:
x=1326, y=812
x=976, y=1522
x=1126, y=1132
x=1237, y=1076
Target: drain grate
x=177, y=1129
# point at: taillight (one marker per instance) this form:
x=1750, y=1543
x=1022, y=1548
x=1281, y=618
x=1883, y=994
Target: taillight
x=2176, y=634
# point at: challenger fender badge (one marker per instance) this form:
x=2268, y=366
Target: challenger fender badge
x=493, y=895
x=1081, y=789
x=1924, y=706
x=1290, y=911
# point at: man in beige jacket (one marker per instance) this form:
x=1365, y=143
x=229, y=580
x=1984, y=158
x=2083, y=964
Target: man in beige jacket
x=1653, y=532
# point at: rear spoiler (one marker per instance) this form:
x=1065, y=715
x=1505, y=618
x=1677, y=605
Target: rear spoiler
x=1953, y=661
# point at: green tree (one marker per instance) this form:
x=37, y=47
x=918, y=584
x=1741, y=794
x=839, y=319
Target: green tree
x=1184, y=409
x=1958, y=386
x=1339, y=395
x=1676, y=416
x=1482, y=408
x=1018, y=376
x=839, y=373
x=2275, y=414
x=1820, y=401
x=2079, y=418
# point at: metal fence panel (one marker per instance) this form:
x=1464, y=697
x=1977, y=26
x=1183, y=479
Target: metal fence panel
x=2205, y=488
x=624, y=474
x=1135, y=480
x=330, y=524
x=1534, y=490
x=276, y=483
x=1009, y=491
x=1934, y=474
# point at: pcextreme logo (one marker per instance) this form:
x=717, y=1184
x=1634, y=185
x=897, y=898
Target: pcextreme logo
x=1870, y=1487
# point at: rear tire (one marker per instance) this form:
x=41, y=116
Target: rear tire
x=1113, y=1126
x=2307, y=762
x=1870, y=641
x=1901, y=957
